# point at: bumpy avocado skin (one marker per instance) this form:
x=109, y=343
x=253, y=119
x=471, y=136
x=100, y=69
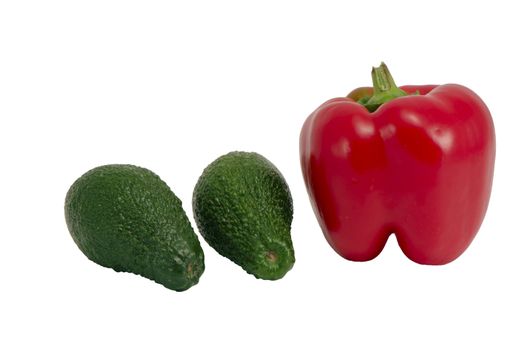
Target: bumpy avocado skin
x=126, y=218
x=243, y=208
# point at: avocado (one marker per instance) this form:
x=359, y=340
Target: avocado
x=243, y=209
x=126, y=218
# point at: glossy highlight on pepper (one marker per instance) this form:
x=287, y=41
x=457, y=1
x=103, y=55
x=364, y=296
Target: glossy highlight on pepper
x=416, y=161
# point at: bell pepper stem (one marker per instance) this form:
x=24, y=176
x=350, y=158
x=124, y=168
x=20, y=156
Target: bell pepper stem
x=382, y=79
x=385, y=89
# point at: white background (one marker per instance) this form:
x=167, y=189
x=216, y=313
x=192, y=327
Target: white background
x=172, y=85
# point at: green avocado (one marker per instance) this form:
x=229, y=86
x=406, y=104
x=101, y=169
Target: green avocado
x=126, y=218
x=243, y=209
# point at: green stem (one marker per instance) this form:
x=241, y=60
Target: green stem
x=384, y=88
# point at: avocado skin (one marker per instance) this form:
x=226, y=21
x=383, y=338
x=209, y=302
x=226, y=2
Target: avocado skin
x=243, y=209
x=126, y=218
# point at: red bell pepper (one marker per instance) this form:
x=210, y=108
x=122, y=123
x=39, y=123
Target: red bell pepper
x=416, y=161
